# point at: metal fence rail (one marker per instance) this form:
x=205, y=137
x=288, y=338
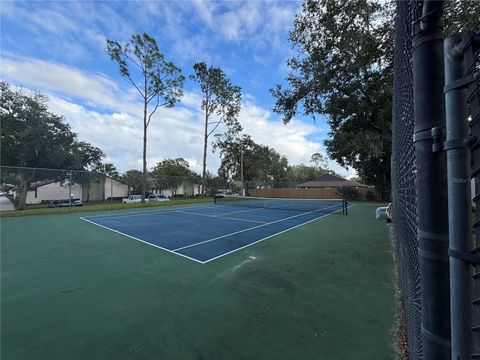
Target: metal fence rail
x=472, y=59
x=457, y=146
x=432, y=203
x=417, y=190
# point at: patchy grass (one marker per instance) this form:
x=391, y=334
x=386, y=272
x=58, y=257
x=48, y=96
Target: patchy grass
x=35, y=210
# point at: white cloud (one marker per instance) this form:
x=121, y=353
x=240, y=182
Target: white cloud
x=290, y=140
x=205, y=10
x=95, y=89
x=107, y=114
x=178, y=132
x=120, y=135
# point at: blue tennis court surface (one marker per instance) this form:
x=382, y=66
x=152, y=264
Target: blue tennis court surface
x=205, y=233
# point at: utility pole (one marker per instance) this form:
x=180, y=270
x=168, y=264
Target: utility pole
x=241, y=171
x=70, y=191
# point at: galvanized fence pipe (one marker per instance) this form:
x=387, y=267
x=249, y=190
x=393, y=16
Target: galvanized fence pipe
x=471, y=55
x=459, y=198
x=431, y=184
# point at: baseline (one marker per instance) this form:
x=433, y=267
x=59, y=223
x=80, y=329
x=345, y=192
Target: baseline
x=142, y=241
x=176, y=209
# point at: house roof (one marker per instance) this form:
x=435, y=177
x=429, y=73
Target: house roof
x=36, y=184
x=329, y=180
x=40, y=183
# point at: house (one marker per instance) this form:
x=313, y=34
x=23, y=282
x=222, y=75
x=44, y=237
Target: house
x=95, y=187
x=46, y=190
x=115, y=189
x=175, y=186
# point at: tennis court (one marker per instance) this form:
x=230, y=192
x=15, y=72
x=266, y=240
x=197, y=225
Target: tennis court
x=209, y=232
x=74, y=290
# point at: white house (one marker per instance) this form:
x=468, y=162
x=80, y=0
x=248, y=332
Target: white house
x=184, y=187
x=115, y=188
x=99, y=188
x=46, y=191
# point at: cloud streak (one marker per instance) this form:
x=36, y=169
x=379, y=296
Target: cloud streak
x=105, y=114
x=58, y=48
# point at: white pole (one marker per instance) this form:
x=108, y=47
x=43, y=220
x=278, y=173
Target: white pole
x=70, y=192
x=241, y=171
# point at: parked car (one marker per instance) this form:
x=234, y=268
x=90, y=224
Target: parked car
x=221, y=194
x=52, y=203
x=65, y=203
x=158, y=198
x=133, y=199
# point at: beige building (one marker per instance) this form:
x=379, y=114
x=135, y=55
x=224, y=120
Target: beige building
x=181, y=187
x=100, y=188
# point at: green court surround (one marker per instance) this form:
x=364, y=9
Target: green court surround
x=71, y=290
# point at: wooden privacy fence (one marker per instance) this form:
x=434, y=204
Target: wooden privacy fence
x=361, y=194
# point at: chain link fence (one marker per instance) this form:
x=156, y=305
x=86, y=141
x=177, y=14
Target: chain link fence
x=473, y=100
x=32, y=188
x=24, y=188
x=404, y=184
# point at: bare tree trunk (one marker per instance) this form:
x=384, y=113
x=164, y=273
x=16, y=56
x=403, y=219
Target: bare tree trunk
x=25, y=180
x=144, y=177
x=205, y=143
x=23, y=195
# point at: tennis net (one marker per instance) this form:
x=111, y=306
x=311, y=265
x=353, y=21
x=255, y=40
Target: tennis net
x=338, y=206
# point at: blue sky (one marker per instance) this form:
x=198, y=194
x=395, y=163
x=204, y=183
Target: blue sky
x=58, y=48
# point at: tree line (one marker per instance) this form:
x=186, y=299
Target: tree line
x=342, y=68
x=261, y=164
x=34, y=138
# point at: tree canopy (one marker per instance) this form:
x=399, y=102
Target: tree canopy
x=262, y=163
x=302, y=173
x=172, y=173
x=34, y=137
x=134, y=179
x=173, y=167
x=343, y=69
x=108, y=169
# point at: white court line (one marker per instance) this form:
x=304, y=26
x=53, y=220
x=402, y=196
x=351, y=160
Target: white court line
x=221, y=217
x=269, y=236
x=177, y=208
x=224, y=254
x=242, y=211
x=278, y=207
x=145, y=242
x=255, y=227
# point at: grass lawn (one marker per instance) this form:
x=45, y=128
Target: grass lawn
x=71, y=290
x=42, y=209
